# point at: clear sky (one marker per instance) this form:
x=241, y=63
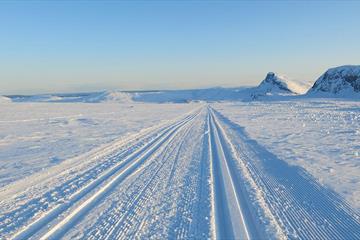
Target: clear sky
x=65, y=46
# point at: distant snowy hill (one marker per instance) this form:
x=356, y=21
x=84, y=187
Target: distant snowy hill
x=93, y=97
x=343, y=81
x=4, y=99
x=110, y=96
x=173, y=96
x=272, y=86
x=182, y=96
x=278, y=85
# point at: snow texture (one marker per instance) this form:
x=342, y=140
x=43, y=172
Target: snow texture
x=255, y=170
x=265, y=162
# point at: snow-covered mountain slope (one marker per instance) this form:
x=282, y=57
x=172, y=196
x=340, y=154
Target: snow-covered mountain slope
x=343, y=81
x=278, y=85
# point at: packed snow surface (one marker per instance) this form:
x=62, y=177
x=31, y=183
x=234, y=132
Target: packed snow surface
x=322, y=136
x=35, y=136
x=255, y=170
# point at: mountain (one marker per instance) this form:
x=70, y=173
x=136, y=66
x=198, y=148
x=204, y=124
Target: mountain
x=343, y=81
x=278, y=85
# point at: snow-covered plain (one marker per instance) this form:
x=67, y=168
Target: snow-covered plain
x=35, y=136
x=243, y=170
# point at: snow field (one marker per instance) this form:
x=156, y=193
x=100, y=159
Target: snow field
x=197, y=174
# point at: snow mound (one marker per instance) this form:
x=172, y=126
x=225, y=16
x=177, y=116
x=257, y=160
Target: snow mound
x=4, y=99
x=343, y=81
x=276, y=84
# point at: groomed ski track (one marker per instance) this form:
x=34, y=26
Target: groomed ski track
x=196, y=177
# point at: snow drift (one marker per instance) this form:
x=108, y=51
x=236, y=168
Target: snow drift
x=4, y=99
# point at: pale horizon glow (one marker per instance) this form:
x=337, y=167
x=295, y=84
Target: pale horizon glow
x=65, y=46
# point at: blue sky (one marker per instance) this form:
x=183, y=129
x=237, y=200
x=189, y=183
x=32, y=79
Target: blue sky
x=65, y=46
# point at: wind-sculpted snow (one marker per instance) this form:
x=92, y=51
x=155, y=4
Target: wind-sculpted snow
x=197, y=176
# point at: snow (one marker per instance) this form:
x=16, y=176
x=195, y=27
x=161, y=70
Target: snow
x=322, y=136
x=92, y=97
x=343, y=81
x=276, y=84
x=272, y=87
x=111, y=170
x=339, y=82
x=4, y=99
x=172, y=96
x=35, y=136
x=118, y=96
x=265, y=162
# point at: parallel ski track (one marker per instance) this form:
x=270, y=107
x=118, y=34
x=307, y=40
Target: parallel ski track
x=320, y=215
x=149, y=167
x=229, y=221
x=109, y=178
x=104, y=160
x=130, y=216
x=191, y=211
